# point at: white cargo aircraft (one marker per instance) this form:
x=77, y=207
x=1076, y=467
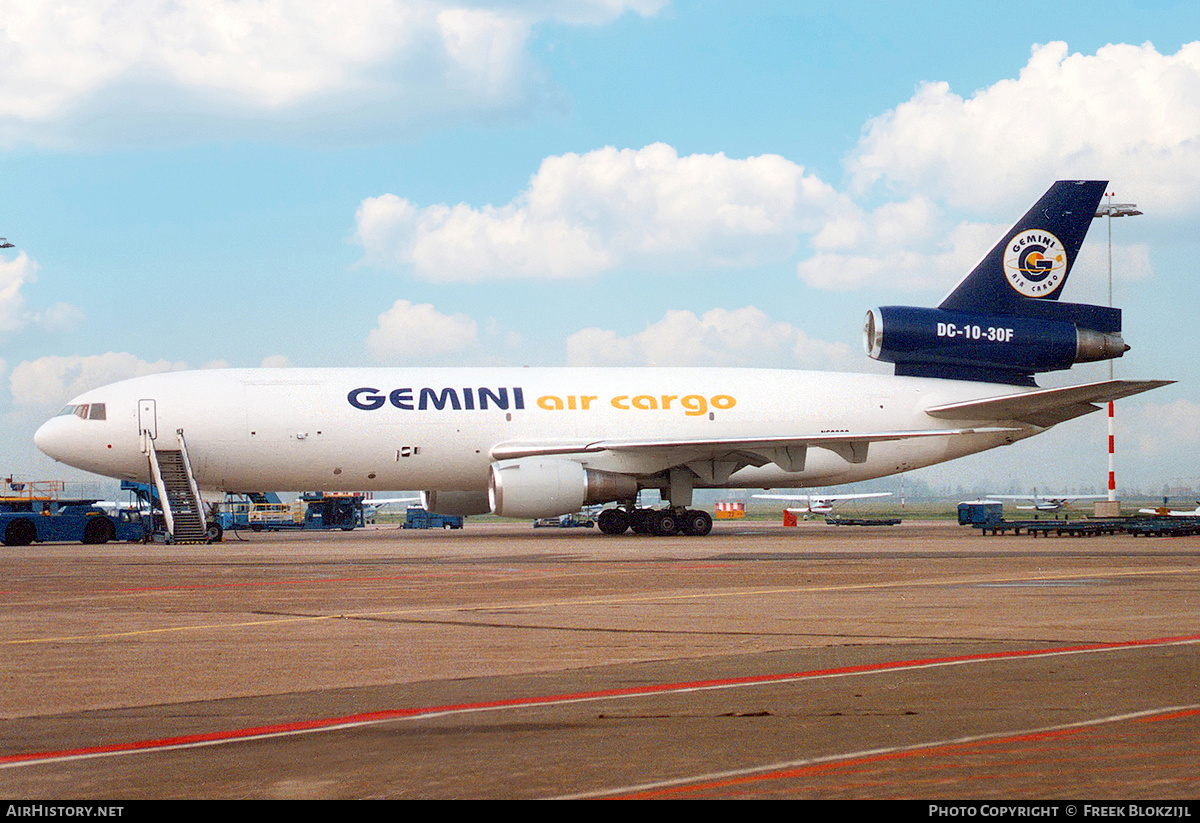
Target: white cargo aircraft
x=541, y=442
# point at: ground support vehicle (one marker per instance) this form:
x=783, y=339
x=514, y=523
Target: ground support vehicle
x=417, y=518
x=565, y=521
x=259, y=511
x=69, y=521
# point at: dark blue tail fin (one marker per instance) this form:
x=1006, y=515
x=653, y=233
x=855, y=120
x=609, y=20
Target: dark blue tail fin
x=1030, y=266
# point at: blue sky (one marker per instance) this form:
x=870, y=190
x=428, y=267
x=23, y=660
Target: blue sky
x=609, y=182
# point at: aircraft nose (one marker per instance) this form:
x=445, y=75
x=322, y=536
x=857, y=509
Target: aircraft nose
x=51, y=439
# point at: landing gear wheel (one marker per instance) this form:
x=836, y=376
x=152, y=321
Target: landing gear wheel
x=640, y=521
x=664, y=524
x=613, y=521
x=697, y=523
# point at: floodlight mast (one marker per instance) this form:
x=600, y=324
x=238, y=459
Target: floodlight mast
x=1111, y=210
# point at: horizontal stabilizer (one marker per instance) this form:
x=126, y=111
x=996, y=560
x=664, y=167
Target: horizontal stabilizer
x=1045, y=407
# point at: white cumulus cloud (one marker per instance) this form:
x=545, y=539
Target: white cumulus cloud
x=56, y=379
x=720, y=337
x=909, y=245
x=586, y=213
x=75, y=70
x=15, y=316
x=1126, y=114
x=417, y=333
x=912, y=245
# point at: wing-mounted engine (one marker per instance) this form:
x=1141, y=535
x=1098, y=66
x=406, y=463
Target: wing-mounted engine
x=1004, y=323
x=549, y=486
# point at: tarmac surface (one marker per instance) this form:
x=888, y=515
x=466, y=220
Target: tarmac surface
x=915, y=661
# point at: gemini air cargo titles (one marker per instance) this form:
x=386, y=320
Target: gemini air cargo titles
x=542, y=442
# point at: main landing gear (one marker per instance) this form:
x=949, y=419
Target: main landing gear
x=658, y=522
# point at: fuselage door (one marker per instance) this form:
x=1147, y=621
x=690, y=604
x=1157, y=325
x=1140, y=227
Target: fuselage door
x=147, y=423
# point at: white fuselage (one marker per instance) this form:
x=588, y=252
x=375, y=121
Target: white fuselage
x=382, y=428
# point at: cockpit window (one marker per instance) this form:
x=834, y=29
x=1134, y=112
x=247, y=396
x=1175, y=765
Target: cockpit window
x=86, y=411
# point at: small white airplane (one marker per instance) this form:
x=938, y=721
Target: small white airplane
x=1047, y=502
x=540, y=442
x=1165, y=511
x=819, y=503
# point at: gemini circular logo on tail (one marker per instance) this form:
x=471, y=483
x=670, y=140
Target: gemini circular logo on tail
x=1035, y=263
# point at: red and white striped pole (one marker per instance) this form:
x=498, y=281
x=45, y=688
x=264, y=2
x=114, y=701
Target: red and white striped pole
x=1112, y=475
x=1111, y=210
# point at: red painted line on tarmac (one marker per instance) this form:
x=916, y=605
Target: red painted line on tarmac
x=851, y=762
x=1171, y=716
x=371, y=718
x=681, y=788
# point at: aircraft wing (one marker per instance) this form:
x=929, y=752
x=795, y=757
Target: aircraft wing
x=1045, y=407
x=786, y=451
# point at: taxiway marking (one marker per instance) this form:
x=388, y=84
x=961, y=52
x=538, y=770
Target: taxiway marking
x=314, y=726
x=793, y=769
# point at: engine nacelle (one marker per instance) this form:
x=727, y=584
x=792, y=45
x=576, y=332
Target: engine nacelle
x=937, y=342
x=533, y=487
x=460, y=503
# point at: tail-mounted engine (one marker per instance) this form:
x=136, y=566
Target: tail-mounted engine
x=1004, y=322
x=996, y=348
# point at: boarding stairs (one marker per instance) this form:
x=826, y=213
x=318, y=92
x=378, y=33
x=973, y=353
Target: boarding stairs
x=183, y=510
